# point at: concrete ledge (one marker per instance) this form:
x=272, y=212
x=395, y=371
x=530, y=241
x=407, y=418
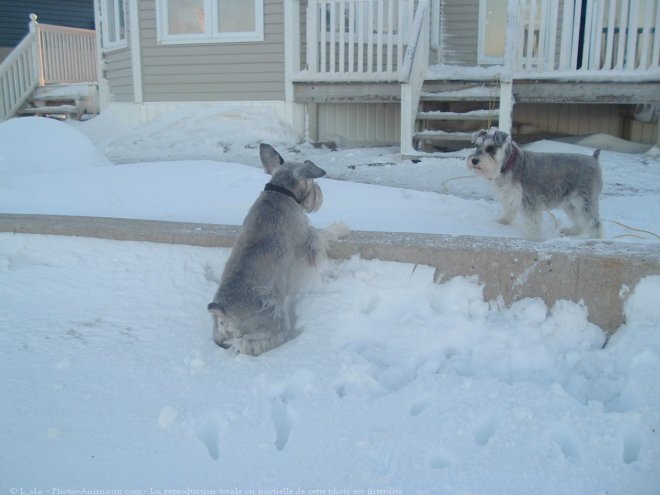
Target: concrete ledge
x=592, y=271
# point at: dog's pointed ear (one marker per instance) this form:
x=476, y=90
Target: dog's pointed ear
x=500, y=137
x=478, y=136
x=270, y=159
x=310, y=171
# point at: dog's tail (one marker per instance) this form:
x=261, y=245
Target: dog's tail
x=596, y=154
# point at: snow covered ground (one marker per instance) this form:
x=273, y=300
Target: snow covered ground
x=111, y=379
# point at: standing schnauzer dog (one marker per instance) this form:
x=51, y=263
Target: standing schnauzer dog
x=533, y=182
x=253, y=307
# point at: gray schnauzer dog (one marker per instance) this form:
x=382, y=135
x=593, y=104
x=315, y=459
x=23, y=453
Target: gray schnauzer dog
x=533, y=182
x=253, y=307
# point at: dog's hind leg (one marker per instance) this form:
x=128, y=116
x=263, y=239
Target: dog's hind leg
x=265, y=330
x=534, y=219
x=592, y=219
x=574, y=209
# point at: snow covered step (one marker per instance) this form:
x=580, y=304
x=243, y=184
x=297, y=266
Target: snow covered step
x=442, y=136
x=474, y=115
x=475, y=93
x=67, y=110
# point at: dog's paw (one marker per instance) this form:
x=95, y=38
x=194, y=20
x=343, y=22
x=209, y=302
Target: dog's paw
x=336, y=231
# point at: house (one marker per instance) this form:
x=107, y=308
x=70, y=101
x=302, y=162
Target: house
x=14, y=18
x=420, y=73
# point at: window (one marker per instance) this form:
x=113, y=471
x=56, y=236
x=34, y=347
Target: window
x=492, y=29
x=113, y=24
x=209, y=21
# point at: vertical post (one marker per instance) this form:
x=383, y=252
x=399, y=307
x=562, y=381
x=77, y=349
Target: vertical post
x=575, y=42
x=511, y=36
x=360, y=36
x=323, y=46
x=312, y=37
x=656, y=44
x=510, y=66
x=623, y=23
x=380, y=40
x=333, y=37
x=531, y=30
x=351, y=36
x=609, y=36
x=631, y=44
x=38, y=53
x=646, y=40
x=566, y=36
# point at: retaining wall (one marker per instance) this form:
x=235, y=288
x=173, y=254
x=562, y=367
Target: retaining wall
x=596, y=272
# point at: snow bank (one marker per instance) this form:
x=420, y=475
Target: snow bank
x=40, y=145
x=396, y=383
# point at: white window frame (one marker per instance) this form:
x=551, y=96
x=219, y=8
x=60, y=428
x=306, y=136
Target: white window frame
x=482, y=58
x=211, y=35
x=120, y=35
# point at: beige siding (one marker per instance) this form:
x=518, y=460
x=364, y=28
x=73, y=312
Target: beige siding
x=460, y=28
x=119, y=75
x=359, y=123
x=249, y=71
x=571, y=119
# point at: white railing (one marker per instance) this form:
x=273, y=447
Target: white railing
x=357, y=39
x=19, y=75
x=68, y=54
x=614, y=36
x=47, y=54
x=413, y=72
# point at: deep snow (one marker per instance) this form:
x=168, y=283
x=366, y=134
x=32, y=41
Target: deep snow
x=111, y=379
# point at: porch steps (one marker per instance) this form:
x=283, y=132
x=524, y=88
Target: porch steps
x=61, y=111
x=446, y=120
x=60, y=101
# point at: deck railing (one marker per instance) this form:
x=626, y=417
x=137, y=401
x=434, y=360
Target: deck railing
x=621, y=36
x=413, y=72
x=358, y=39
x=47, y=54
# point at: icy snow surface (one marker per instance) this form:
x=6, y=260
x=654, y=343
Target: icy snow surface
x=111, y=379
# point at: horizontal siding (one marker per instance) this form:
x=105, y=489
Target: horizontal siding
x=359, y=123
x=250, y=71
x=572, y=119
x=118, y=72
x=459, y=32
x=14, y=16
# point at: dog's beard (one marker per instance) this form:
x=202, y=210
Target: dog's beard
x=487, y=167
x=313, y=197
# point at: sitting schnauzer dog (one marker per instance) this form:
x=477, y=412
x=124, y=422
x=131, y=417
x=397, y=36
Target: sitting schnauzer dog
x=533, y=182
x=253, y=307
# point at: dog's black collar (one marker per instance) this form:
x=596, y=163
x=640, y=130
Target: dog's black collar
x=281, y=190
x=510, y=160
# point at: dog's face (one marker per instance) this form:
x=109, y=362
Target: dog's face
x=296, y=177
x=491, y=148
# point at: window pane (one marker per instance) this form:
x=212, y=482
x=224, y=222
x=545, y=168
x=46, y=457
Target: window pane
x=495, y=28
x=185, y=16
x=236, y=16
